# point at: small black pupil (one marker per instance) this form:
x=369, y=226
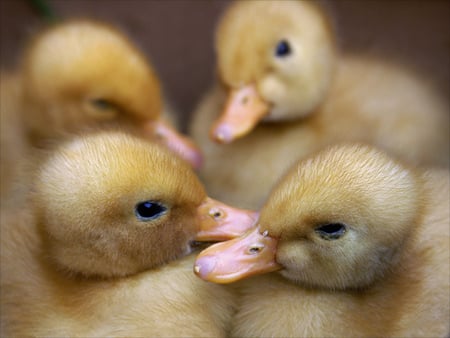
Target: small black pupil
x=102, y=104
x=149, y=209
x=283, y=48
x=331, y=228
x=331, y=231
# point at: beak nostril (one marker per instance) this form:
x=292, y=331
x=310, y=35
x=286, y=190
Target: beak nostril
x=255, y=248
x=244, y=100
x=216, y=213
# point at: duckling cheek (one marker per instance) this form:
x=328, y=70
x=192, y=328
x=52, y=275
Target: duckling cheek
x=273, y=90
x=294, y=257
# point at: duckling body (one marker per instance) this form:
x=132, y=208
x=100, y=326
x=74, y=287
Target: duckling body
x=385, y=274
x=93, y=250
x=165, y=301
x=315, y=97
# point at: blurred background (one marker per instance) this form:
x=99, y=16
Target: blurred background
x=177, y=35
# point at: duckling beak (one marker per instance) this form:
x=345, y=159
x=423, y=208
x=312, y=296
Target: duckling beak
x=230, y=261
x=243, y=110
x=220, y=222
x=179, y=144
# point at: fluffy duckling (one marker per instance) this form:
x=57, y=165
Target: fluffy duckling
x=93, y=253
x=362, y=242
x=286, y=92
x=81, y=74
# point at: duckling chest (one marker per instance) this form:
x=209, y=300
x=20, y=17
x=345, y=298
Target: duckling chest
x=243, y=172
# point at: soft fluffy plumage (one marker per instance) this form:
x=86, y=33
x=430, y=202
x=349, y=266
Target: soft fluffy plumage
x=362, y=242
x=86, y=73
x=86, y=256
x=310, y=95
x=83, y=74
x=79, y=75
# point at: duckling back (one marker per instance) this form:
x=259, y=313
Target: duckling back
x=388, y=105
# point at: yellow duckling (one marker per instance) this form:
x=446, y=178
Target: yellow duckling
x=92, y=252
x=81, y=74
x=287, y=92
x=77, y=75
x=362, y=242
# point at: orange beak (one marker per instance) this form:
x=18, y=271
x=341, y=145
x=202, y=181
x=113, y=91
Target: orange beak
x=219, y=222
x=230, y=261
x=181, y=145
x=243, y=110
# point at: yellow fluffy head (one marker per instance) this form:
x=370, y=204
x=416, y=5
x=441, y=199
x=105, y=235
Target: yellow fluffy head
x=82, y=73
x=342, y=216
x=90, y=196
x=246, y=44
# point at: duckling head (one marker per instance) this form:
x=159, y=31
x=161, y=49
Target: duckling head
x=110, y=204
x=84, y=73
x=338, y=220
x=276, y=59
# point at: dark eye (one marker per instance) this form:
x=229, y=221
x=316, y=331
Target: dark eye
x=103, y=104
x=283, y=49
x=148, y=210
x=331, y=231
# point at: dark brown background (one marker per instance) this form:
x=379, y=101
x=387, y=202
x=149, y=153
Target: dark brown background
x=177, y=35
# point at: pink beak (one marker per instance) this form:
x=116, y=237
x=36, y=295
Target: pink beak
x=243, y=111
x=230, y=261
x=220, y=222
x=181, y=145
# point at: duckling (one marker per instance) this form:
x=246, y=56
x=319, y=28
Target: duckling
x=103, y=247
x=82, y=73
x=362, y=242
x=286, y=91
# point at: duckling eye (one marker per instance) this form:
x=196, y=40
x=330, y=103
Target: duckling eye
x=331, y=231
x=283, y=49
x=146, y=211
x=103, y=104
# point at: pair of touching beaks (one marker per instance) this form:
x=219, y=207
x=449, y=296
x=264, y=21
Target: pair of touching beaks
x=245, y=250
